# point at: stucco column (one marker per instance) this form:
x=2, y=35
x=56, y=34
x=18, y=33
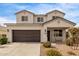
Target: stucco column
x=52, y=39
x=64, y=35
x=9, y=35
x=44, y=35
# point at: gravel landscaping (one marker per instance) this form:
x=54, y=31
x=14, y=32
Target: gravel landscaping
x=62, y=48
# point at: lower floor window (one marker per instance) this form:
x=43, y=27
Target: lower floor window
x=57, y=33
x=3, y=35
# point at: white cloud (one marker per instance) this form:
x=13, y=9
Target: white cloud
x=5, y=20
x=44, y=8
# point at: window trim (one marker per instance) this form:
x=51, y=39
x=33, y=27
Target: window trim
x=40, y=19
x=53, y=17
x=58, y=33
x=24, y=18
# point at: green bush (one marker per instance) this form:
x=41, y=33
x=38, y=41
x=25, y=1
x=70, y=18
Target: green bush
x=69, y=42
x=3, y=40
x=71, y=53
x=53, y=52
x=47, y=44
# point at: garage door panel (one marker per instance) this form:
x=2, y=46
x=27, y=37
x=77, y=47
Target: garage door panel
x=26, y=35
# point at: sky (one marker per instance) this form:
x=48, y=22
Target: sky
x=8, y=10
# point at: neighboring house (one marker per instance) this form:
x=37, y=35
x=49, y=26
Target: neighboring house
x=30, y=27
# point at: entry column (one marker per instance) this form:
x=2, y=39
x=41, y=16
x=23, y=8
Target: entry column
x=44, y=35
x=64, y=35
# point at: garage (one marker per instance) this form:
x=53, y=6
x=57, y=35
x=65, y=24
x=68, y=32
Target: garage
x=26, y=35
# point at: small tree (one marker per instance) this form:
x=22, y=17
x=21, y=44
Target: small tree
x=75, y=36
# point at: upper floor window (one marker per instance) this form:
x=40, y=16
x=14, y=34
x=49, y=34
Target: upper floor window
x=53, y=17
x=40, y=19
x=24, y=18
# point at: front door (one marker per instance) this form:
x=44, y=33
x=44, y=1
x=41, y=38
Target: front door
x=48, y=35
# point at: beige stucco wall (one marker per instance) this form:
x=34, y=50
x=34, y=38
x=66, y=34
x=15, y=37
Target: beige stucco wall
x=42, y=28
x=2, y=32
x=19, y=15
x=58, y=23
x=54, y=24
x=44, y=34
x=49, y=16
x=33, y=18
x=44, y=18
x=26, y=27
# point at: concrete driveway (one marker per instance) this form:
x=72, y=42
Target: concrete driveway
x=20, y=49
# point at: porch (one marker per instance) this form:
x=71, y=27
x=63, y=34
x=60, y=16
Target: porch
x=56, y=34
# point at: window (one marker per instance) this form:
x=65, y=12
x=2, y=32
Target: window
x=24, y=18
x=53, y=17
x=58, y=33
x=40, y=19
x=7, y=30
x=3, y=35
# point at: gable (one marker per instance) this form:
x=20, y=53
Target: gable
x=54, y=13
x=24, y=13
x=59, y=22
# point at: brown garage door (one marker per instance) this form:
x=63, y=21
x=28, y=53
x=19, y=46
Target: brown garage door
x=26, y=35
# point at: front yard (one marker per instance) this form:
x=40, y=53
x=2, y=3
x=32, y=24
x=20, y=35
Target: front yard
x=62, y=48
x=66, y=49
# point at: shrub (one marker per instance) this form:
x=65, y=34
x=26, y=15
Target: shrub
x=71, y=53
x=69, y=42
x=47, y=44
x=53, y=52
x=3, y=40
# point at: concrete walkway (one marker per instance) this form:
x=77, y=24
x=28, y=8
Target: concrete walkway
x=20, y=49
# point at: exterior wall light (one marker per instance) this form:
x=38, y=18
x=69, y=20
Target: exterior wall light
x=7, y=30
x=45, y=31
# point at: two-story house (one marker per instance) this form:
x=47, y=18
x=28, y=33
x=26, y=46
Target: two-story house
x=31, y=27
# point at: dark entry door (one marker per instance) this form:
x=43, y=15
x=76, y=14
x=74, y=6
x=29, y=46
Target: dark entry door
x=48, y=35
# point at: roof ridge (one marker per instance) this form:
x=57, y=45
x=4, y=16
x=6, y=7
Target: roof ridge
x=24, y=10
x=62, y=18
x=39, y=14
